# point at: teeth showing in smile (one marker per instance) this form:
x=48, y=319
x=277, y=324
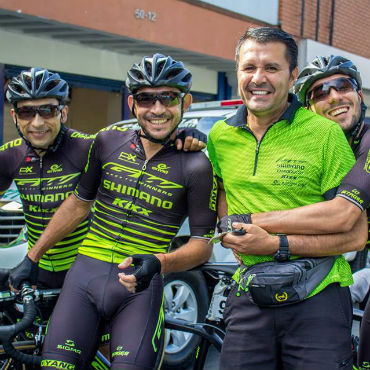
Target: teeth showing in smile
x=158, y=121
x=38, y=132
x=259, y=92
x=335, y=112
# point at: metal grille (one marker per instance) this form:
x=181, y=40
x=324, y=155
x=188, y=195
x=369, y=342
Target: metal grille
x=11, y=223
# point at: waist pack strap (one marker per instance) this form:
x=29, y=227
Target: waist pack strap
x=321, y=268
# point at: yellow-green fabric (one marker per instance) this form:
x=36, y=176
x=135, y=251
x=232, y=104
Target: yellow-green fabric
x=298, y=161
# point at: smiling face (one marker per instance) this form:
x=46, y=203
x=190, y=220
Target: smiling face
x=264, y=78
x=159, y=120
x=341, y=107
x=40, y=132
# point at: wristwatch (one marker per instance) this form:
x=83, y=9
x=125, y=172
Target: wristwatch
x=282, y=253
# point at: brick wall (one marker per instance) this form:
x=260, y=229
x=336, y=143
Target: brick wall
x=351, y=29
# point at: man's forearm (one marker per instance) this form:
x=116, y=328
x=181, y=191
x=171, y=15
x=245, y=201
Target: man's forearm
x=69, y=215
x=195, y=252
x=334, y=216
x=330, y=244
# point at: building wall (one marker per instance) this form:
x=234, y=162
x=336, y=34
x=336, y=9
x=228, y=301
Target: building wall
x=61, y=56
x=351, y=23
x=91, y=110
x=177, y=23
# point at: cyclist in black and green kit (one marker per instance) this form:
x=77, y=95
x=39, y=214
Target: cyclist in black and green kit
x=142, y=189
x=46, y=163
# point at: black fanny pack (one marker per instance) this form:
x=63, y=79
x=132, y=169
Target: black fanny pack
x=282, y=283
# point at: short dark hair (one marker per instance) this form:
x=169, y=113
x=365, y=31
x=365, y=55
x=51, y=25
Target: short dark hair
x=270, y=34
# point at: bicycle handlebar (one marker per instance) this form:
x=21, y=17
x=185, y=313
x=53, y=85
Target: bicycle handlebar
x=196, y=328
x=8, y=332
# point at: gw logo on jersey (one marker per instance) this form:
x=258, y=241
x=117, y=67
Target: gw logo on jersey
x=55, y=168
x=128, y=157
x=162, y=167
x=25, y=170
x=367, y=163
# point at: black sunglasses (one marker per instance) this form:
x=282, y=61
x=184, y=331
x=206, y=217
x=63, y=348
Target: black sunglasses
x=166, y=98
x=45, y=111
x=341, y=84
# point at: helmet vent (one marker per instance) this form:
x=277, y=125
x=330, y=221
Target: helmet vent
x=148, y=68
x=39, y=80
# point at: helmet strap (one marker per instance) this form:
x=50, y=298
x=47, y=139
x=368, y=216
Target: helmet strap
x=356, y=130
x=166, y=139
x=52, y=147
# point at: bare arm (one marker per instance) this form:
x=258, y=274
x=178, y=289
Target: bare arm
x=336, y=215
x=257, y=241
x=195, y=252
x=221, y=201
x=69, y=215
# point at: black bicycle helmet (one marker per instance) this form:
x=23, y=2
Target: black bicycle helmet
x=322, y=67
x=158, y=70
x=36, y=83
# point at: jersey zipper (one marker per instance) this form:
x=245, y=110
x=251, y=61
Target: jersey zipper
x=257, y=150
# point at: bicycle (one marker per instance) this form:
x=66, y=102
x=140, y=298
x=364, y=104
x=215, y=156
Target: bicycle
x=26, y=314
x=20, y=310
x=25, y=350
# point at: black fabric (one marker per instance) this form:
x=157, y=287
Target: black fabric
x=92, y=295
x=363, y=356
x=314, y=334
x=355, y=186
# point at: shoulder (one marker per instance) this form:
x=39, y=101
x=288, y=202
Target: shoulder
x=12, y=147
x=114, y=132
x=365, y=138
x=78, y=136
x=76, y=144
x=318, y=126
x=195, y=162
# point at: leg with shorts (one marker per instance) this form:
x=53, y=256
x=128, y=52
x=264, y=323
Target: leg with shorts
x=313, y=334
x=137, y=326
x=250, y=342
x=364, y=346
x=316, y=333
x=72, y=335
x=50, y=279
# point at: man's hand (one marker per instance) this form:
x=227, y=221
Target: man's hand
x=256, y=241
x=27, y=270
x=146, y=266
x=191, y=139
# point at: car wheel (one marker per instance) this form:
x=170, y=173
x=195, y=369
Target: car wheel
x=185, y=297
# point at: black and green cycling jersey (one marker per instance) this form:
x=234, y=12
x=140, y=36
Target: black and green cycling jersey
x=140, y=204
x=301, y=159
x=44, y=183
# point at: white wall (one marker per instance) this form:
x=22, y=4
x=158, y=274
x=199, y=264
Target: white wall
x=20, y=49
x=309, y=49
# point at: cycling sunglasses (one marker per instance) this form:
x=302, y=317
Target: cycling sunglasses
x=45, y=111
x=341, y=84
x=166, y=98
